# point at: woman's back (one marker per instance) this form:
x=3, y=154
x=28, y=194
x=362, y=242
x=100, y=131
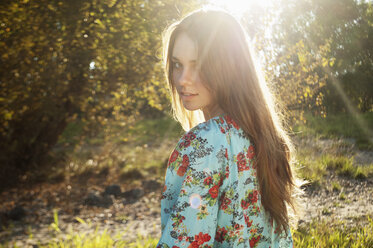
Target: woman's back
x=211, y=196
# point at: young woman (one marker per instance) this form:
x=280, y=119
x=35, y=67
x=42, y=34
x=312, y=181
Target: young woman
x=229, y=179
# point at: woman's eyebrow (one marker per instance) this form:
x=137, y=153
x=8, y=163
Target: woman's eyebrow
x=193, y=61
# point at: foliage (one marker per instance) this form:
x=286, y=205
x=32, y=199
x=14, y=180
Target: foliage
x=337, y=126
x=344, y=166
x=315, y=169
x=60, y=238
x=93, y=61
x=310, y=170
x=155, y=130
x=322, y=234
x=319, y=56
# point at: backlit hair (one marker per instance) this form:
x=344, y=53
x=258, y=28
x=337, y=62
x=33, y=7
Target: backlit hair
x=226, y=67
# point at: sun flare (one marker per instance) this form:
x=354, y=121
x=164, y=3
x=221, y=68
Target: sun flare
x=239, y=7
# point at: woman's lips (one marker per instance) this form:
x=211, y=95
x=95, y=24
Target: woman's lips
x=187, y=95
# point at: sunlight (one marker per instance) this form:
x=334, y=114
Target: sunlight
x=239, y=7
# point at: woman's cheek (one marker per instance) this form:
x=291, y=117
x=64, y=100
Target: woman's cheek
x=176, y=77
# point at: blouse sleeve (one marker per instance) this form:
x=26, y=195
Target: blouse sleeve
x=194, y=182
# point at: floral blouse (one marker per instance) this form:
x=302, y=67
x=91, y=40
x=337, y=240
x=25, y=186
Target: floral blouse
x=211, y=197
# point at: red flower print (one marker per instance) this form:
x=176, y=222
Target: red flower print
x=242, y=165
x=189, y=136
x=177, y=219
x=221, y=180
x=185, y=160
x=250, y=152
x=227, y=172
x=221, y=120
x=240, y=156
x=226, y=153
x=180, y=238
x=253, y=196
x=254, y=167
x=222, y=130
x=231, y=121
x=228, y=119
x=254, y=240
x=247, y=221
x=208, y=181
x=225, y=201
x=214, y=191
x=173, y=156
x=181, y=171
x=175, y=246
x=235, y=125
x=244, y=204
x=220, y=233
x=186, y=143
x=194, y=244
x=202, y=238
x=199, y=239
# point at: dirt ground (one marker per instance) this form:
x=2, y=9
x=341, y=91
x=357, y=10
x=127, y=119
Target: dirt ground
x=26, y=214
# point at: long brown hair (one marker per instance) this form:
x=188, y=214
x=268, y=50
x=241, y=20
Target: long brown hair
x=227, y=68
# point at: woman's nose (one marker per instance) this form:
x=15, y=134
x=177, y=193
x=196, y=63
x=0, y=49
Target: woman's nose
x=186, y=77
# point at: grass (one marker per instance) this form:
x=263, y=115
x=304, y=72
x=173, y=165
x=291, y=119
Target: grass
x=336, y=186
x=336, y=126
x=342, y=196
x=316, y=234
x=143, y=145
x=136, y=151
x=323, y=234
x=314, y=164
x=71, y=133
x=315, y=169
x=343, y=166
x=141, y=132
x=310, y=169
x=155, y=130
x=96, y=239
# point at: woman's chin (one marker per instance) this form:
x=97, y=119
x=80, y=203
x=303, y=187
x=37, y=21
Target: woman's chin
x=190, y=107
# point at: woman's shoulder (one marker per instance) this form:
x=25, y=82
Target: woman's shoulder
x=213, y=136
x=218, y=129
x=205, y=134
x=203, y=145
x=220, y=125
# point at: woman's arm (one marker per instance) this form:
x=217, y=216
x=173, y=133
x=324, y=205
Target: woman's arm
x=192, y=219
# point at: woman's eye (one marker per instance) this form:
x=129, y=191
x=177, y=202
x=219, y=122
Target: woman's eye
x=176, y=65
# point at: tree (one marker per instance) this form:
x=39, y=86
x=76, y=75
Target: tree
x=61, y=60
x=316, y=47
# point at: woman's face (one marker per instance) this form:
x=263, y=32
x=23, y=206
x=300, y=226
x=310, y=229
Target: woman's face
x=192, y=92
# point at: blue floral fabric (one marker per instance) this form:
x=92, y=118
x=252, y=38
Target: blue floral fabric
x=211, y=196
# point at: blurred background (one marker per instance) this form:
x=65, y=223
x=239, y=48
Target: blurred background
x=86, y=130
